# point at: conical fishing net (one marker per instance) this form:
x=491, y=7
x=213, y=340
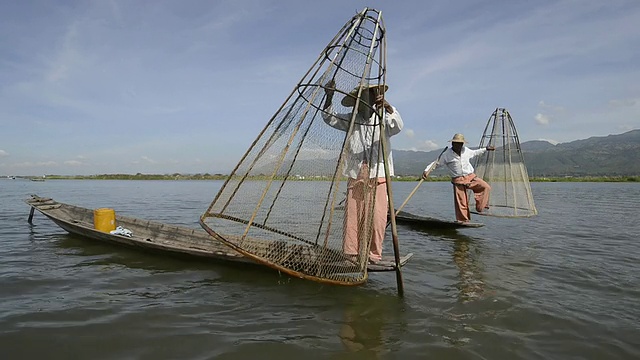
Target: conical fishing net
x=504, y=169
x=283, y=204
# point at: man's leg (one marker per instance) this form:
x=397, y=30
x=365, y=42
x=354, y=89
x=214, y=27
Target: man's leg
x=379, y=220
x=461, y=202
x=353, y=209
x=481, y=191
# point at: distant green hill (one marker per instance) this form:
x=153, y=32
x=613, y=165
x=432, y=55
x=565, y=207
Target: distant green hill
x=613, y=155
x=606, y=156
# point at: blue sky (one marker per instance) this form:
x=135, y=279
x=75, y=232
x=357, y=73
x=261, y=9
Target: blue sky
x=92, y=87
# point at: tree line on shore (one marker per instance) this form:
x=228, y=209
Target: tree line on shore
x=206, y=176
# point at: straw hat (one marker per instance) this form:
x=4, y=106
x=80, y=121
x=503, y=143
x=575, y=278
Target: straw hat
x=458, y=138
x=350, y=100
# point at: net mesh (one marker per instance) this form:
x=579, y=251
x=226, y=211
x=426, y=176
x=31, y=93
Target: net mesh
x=283, y=204
x=504, y=169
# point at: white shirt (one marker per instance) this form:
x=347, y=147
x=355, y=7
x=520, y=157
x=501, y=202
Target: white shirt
x=365, y=141
x=460, y=165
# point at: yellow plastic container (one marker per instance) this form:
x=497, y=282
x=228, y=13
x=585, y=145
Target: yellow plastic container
x=104, y=219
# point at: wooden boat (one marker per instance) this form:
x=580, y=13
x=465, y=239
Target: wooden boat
x=404, y=217
x=152, y=235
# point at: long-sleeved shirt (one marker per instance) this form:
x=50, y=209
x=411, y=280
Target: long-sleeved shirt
x=460, y=165
x=364, y=142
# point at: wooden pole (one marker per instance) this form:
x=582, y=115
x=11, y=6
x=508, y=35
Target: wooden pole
x=31, y=215
x=383, y=146
x=410, y=195
x=394, y=230
x=420, y=182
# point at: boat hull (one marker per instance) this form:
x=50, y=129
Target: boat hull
x=151, y=235
x=407, y=218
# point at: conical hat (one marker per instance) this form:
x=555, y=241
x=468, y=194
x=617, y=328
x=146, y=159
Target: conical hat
x=350, y=100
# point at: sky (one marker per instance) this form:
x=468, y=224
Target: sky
x=158, y=87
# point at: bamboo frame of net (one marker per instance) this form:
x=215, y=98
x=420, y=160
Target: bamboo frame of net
x=504, y=169
x=355, y=57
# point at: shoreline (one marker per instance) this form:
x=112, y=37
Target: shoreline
x=196, y=177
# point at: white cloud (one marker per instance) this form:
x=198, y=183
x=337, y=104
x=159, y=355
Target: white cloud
x=29, y=164
x=148, y=160
x=3, y=153
x=429, y=145
x=623, y=102
x=542, y=119
x=73, y=162
x=409, y=133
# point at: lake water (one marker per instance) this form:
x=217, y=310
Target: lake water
x=562, y=285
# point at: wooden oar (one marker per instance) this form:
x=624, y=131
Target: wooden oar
x=424, y=175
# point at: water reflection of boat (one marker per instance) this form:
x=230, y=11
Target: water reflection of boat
x=465, y=253
x=470, y=285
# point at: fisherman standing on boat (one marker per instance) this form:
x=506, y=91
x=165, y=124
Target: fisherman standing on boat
x=457, y=159
x=364, y=165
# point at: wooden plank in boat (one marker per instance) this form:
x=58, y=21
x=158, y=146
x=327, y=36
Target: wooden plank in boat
x=48, y=207
x=388, y=263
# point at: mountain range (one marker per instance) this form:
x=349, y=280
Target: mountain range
x=612, y=155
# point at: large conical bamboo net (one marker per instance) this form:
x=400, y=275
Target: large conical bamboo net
x=283, y=203
x=504, y=169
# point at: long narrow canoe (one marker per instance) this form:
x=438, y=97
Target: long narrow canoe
x=153, y=235
x=404, y=217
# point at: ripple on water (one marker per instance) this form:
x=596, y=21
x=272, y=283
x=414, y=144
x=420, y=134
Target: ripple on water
x=563, y=284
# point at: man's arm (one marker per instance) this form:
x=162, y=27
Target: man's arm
x=480, y=151
x=338, y=121
x=429, y=169
x=392, y=117
x=394, y=122
x=329, y=90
